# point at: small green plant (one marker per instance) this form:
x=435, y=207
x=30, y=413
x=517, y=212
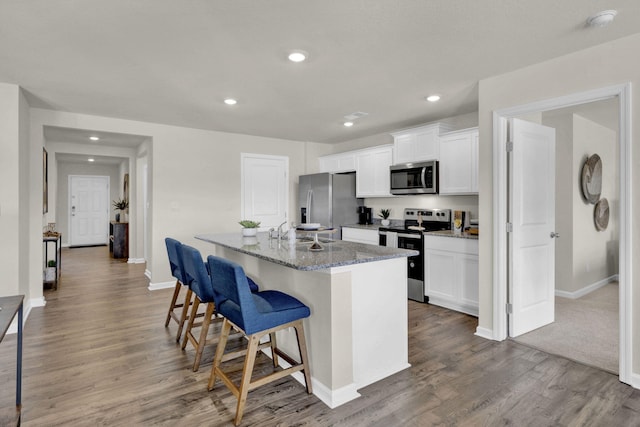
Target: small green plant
x=120, y=204
x=245, y=223
x=384, y=213
x=51, y=263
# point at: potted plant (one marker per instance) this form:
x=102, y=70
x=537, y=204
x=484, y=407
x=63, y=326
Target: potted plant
x=249, y=228
x=384, y=214
x=120, y=205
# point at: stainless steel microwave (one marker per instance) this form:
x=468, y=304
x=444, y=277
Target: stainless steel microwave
x=415, y=178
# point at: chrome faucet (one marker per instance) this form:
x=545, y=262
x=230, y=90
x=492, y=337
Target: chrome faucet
x=280, y=235
x=278, y=232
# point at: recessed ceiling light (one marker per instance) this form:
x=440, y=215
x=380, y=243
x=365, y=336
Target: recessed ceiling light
x=94, y=138
x=348, y=124
x=433, y=98
x=297, y=56
x=91, y=159
x=601, y=19
x=230, y=101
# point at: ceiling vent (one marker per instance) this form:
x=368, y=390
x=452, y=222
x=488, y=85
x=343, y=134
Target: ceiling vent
x=356, y=115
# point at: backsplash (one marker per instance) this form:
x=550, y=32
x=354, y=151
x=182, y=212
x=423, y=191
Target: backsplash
x=397, y=204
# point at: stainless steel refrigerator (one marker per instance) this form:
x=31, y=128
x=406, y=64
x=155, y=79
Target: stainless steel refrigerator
x=328, y=199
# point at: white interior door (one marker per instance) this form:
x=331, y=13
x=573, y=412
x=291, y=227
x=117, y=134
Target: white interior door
x=532, y=215
x=88, y=210
x=265, y=189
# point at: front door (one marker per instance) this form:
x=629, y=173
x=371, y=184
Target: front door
x=88, y=210
x=532, y=215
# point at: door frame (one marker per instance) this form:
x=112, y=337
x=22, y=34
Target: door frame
x=501, y=249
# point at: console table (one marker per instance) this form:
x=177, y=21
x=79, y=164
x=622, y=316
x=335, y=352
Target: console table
x=56, y=239
x=9, y=307
x=119, y=239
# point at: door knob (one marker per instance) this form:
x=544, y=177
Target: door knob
x=554, y=235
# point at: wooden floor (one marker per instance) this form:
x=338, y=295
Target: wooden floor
x=98, y=354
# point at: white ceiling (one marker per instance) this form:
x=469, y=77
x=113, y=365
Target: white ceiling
x=174, y=62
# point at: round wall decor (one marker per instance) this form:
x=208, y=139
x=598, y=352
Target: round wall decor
x=591, y=178
x=601, y=214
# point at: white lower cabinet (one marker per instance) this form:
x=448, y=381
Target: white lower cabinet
x=451, y=272
x=360, y=235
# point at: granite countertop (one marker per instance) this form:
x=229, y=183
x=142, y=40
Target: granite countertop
x=336, y=253
x=374, y=226
x=450, y=233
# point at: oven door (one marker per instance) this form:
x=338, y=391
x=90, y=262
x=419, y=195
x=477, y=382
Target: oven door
x=415, y=263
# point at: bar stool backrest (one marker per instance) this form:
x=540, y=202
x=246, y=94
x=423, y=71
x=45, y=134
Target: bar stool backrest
x=197, y=274
x=174, y=250
x=234, y=298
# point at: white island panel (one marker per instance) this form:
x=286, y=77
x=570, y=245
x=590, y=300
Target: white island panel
x=357, y=333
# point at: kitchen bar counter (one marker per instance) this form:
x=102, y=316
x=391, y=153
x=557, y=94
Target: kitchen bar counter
x=336, y=253
x=357, y=333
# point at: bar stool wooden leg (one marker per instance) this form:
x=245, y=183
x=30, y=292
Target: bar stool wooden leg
x=192, y=318
x=184, y=314
x=204, y=330
x=302, y=347
x=176, y=292
x=245, y=383
x=274, y=346
x=217, y=360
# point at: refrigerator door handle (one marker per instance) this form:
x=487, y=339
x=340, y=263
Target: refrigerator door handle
x=309, y=196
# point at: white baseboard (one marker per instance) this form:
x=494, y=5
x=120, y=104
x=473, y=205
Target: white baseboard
x=451, y=305
x=26, y=309
x=587, y=289
x=136, y=261
x=147, y=274
x=161, y=285
x=635, y=380
x=331, y=398
x=484, y=333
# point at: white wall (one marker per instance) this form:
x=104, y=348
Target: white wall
x=601, y=66
x=10, y=225
x=595, y=253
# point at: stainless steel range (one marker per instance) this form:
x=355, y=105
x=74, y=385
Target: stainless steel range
x=409, y=235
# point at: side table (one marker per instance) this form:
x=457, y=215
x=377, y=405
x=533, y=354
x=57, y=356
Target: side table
x=56, y=239
x=9, y=307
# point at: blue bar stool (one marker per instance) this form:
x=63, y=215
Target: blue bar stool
x=174, y=250
x=255, y=314
x=198, y=276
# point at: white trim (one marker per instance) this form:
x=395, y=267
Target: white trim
x=587, y=289
x=484, y=333
x=500, y=182
x=147, y=274
x=635, y=380
x=451, y=305
x=161, y=285
x=136, y=261
x=332, y=399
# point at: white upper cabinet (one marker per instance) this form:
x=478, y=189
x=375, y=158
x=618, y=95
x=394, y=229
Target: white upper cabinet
x=418, y=144
x=372, y=171
x=459, y=162
x=341, y=162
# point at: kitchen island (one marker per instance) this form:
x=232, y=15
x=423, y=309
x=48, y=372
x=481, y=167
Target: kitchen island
x=357, y=333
